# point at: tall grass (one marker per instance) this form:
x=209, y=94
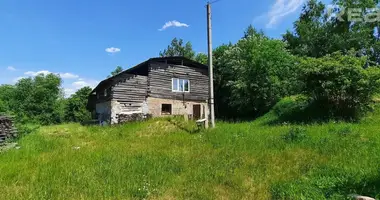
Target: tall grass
x=170, y=159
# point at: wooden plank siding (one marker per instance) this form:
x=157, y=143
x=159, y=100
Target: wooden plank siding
x=130, y=91
x=160, y=82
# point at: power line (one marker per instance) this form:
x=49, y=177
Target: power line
x=212, y=2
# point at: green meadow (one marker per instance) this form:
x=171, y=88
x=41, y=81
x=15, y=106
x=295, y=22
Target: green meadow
x=171, y=159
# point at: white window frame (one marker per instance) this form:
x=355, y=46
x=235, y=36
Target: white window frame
x=178, y=85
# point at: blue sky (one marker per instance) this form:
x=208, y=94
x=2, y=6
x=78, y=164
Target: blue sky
x=84, y=40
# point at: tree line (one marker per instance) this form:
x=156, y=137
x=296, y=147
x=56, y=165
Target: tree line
x=331, y=63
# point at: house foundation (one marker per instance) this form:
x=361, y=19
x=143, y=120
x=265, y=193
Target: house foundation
x=164, y=107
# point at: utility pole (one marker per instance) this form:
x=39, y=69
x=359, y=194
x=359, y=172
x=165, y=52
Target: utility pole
x=210, y=70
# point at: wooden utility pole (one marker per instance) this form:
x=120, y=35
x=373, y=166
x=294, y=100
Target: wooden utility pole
x=210, y=67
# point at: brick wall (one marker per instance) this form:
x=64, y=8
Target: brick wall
x=178, y=107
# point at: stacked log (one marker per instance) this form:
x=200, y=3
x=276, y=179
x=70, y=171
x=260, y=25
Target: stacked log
x=7, y=129
x=123, y=118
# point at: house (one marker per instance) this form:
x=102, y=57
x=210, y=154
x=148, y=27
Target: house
x=157, y=87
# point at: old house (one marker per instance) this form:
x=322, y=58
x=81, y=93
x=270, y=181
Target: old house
x=157, y=87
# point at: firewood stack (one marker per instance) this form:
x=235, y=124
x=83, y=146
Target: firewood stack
x=7, y=129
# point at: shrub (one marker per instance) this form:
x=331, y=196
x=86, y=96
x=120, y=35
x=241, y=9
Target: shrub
x=291, y=108
x=340, y=85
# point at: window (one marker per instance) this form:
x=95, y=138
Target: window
x=166, y=109
x=105, y=92
x=180, y=85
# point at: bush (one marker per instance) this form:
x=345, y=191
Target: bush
x=291, y=108
x=340, y=85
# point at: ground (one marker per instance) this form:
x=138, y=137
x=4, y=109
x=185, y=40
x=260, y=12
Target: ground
x=171, y=159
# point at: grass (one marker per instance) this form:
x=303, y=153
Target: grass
x=170, y=159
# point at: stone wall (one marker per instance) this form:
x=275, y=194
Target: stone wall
x=7, y=129
x=179, y=107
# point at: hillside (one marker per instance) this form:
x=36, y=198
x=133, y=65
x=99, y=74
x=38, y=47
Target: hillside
x=169, y=159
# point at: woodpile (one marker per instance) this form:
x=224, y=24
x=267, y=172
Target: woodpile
x=123, y=118
x=7, y=129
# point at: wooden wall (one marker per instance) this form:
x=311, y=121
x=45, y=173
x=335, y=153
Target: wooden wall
x=160, y=82
x=130, y=91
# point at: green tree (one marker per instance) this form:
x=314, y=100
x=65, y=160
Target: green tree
x=6, y=96
x=254, y=74
x=317, y=34
x=75, y=108
x=178, y=48
x=35, y=99
x=201, y=58
x=118, y=70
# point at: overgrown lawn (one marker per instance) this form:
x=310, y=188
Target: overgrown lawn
x=170, y=159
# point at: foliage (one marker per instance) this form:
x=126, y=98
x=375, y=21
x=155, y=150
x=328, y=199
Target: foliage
x=201, y=58
x=340, y=84
x=254, y=74
x=293, y=109
x=118, y=70
x=178, y=48
x=35, y=99
x=156, y=160
x=75, y=109
x=318, y=33
x=6, y=95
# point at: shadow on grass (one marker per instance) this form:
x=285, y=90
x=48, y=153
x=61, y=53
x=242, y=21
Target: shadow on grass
x=369, y=188
x=300, y=110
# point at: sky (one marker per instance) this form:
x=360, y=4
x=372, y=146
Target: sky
x=84, y=40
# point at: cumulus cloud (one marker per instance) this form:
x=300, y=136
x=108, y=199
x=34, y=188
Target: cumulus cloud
x=71, y=88
x=279, y=10
x=113, y=50
x=68, y=75
x=71, y=84
x=32, y=73
x=11, y=68
x=18, y=78
x=68, y=92
x=84, y=83
x=46, y=72
x=173, y=23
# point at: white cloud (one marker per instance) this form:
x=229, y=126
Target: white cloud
x=46, y=72
x=32, y=73
x=279, y=10
x=18, y=78
x=84, y=83
x=173, y=23
x=11, y=68
x=68, y=92
x=68, y=75
x=113, y=50
x=71, y=88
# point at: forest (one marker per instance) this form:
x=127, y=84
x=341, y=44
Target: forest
x=330, y=66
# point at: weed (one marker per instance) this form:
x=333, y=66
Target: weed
x=295, y=134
